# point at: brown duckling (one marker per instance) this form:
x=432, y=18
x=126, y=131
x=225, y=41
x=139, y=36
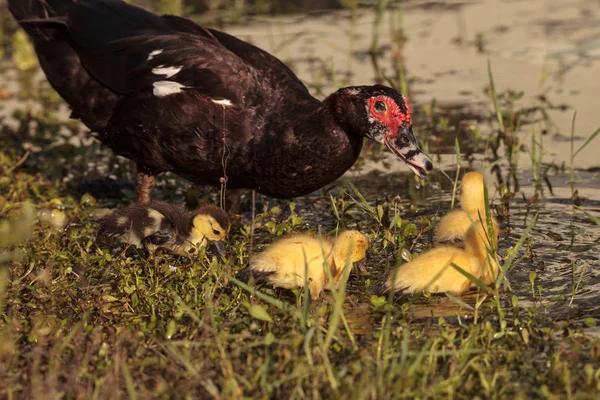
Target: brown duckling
x=285, y=262
x=454, y=225
x=433, y=270
x=171, y=226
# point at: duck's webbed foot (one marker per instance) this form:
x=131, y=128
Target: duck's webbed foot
x=144, y=183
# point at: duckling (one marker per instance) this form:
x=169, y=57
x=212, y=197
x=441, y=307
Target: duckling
x=433, y=270
x=454, y=225
x=285, y=262
x=159, y=224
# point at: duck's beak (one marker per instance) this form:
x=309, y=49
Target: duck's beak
x=410, y=153
x=362, y=266
x=220, y=247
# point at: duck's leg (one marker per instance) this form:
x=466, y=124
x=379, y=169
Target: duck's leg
x=144, y=183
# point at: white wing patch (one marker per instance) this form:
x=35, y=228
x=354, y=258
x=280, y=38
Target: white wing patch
x=165, y=88
x=224, y=102
x=153, y=54
x=166, y=71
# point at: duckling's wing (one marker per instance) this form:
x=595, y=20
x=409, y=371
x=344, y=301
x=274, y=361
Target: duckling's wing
x=163, y=236
x=247, y=273
x=130, y=50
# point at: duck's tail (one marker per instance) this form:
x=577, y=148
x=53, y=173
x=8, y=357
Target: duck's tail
x=45, y=23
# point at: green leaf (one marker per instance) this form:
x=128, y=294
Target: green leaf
x=259, y=312
x=525, y=334
x=410, y=230
x=378, y=301
x=532, y=276
x=87, y=200
x=171, y=328
x=269, y=339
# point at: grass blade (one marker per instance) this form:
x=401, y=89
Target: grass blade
x=455, y=184
x=589, y=139
x=495, y=99
x=263, y=296
x=459, y=301
x=131, y=393
x=470, y=277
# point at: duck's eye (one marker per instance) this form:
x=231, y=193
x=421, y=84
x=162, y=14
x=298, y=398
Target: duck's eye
x=216, y=232
x=380, y=107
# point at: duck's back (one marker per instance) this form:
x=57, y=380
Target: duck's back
x=433, y=271
x=127, y=50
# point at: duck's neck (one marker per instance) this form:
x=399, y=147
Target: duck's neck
x=330, y=123
x=477, y=244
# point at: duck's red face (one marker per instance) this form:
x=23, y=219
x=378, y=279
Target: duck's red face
x=390, y=123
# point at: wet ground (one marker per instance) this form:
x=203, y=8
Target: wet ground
x=549, y=50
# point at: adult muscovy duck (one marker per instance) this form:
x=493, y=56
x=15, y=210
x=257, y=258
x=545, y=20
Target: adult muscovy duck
x=175, y=96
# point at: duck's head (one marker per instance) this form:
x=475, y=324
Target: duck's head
x=349, y=241
x=472, y=192
x=211, y=223
x=382, y=114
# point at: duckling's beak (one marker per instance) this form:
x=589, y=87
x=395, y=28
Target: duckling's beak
x=220, y=247
x=404, y=145
x=362, y=266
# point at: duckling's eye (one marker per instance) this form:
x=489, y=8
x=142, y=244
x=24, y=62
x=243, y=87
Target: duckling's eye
x=216, y=232
x=380, y=107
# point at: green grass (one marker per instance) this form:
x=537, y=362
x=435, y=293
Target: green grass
x=81, y=319
x=84, y=322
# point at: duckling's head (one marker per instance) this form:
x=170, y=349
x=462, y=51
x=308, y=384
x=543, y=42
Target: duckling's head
x=471, y=193
x=210, y=223
x=349, y=241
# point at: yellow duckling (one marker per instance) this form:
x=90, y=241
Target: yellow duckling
x=285, y=263
x=171, y=226
x=433, y=270
x=454, y=225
